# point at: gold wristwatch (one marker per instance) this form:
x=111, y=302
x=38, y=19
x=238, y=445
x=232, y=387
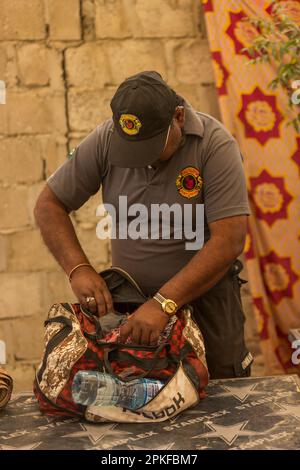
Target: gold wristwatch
x=168, y=306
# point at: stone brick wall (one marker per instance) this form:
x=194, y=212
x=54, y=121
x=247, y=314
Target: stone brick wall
x=61, y=62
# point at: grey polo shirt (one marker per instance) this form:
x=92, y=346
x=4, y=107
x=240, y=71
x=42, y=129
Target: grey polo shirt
x=207, y=169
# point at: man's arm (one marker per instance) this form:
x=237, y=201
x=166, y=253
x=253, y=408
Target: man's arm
x=59, y=235
x=204, y=270
x=68, y=188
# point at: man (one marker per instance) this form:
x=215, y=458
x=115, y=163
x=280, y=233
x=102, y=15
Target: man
x=155, y=150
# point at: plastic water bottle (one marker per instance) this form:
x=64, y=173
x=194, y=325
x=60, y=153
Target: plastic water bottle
x=100, y=389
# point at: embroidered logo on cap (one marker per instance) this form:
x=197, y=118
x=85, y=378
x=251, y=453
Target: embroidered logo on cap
x=130, y=124
x=189, y=182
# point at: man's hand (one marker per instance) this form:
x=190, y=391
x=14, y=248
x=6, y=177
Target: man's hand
x=86, y=282
x=145, y=324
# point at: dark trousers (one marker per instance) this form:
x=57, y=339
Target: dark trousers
x=220, y=317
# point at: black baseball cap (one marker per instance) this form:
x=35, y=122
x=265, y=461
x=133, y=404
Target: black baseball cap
x=143, y=108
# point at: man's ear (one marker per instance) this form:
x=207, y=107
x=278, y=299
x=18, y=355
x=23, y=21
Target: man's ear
x=180, y=115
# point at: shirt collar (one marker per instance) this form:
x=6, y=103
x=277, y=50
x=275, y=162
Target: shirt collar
x=193, y=123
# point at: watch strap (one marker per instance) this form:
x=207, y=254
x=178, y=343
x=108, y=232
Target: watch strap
x=160, y=298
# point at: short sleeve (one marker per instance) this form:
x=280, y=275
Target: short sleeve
x=81, y=175
x=225, y=189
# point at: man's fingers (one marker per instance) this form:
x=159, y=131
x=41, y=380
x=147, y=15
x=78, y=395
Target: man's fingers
x=136, y=334
x=145, y=336
x=108, y=299
x=107, y=295
x=91, y=306
x=101, y=305
x=125, y=331
x=154, y=338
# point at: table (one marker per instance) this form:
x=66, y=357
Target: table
x=249, y=413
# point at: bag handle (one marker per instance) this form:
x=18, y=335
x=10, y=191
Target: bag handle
x=59, y=319
x=155, y=360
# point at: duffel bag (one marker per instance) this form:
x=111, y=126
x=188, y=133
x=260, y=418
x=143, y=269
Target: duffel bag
x=75, y=341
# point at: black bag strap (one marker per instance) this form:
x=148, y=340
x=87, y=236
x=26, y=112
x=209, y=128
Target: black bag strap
x=59, y=319
x=98, y=335
x=57, y=339
x=155, y=361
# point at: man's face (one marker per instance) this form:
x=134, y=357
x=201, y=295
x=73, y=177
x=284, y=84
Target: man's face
x=174, y=137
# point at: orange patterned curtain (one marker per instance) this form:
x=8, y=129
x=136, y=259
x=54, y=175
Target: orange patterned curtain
x=256, y=116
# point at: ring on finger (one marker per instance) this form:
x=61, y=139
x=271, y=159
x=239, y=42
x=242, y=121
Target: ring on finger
x=90, y=299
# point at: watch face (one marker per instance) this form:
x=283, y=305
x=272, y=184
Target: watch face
x=170, y=307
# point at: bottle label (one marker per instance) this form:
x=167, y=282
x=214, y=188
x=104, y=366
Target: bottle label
x=137, y=393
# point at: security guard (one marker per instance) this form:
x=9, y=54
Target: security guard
x=157, y=149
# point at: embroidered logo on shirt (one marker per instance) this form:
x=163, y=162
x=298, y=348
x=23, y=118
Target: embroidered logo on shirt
x=189, y=182
x=130, y=124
